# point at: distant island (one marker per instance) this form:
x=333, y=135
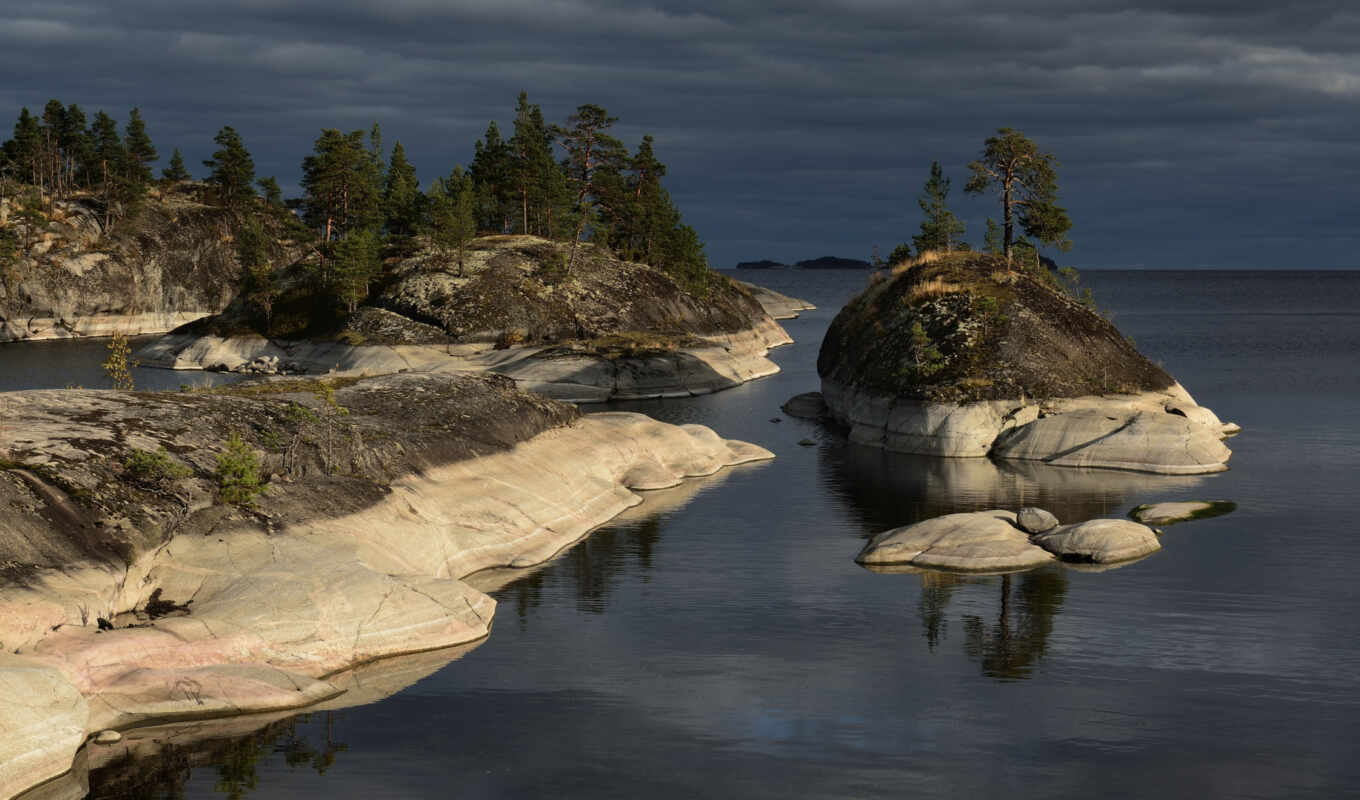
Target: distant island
x=825, y=262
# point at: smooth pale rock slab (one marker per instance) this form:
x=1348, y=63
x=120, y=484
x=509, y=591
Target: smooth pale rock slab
x=108, y=736
x=42, y=719
x=1171, y=513
x=776, y=304
x=1035, y=520
x=1099, y=541
x=1144, y=442
x=979, y=541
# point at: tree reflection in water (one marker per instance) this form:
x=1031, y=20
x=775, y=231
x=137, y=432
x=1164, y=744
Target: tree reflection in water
x=1009, y=648
x=165, y=775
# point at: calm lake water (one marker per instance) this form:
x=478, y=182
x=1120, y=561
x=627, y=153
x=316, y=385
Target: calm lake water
x=729, y=646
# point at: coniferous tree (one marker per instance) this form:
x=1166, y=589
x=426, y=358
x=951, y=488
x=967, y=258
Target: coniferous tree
x=401, y=198
x=270, y=191
x=141, y=153
x=591, y=152
x=492, y=172
x=76, y=147
x=341, y=191
x=939, y=227
x=991, y=240
x=233, y=170
x=535, y=169
x=176, y=171
x=53, y=123
x=1027, y=180
x=356, y=262
x=107, y=158
x=24, y=150
x=453, y=216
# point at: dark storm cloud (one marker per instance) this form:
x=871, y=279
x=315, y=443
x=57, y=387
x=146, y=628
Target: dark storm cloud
x=1202, y=132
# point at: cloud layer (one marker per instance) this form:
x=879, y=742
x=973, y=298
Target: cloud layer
x=1204, y=133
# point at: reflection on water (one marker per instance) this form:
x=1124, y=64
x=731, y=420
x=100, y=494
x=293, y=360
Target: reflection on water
x=889, y=490
x=1009, y=646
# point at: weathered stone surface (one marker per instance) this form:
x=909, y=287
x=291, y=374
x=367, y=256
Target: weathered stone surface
x=1035, y=520
x=108, y=736
x=43, y=718
x=980, y=541
x=335, y=566
x=1171, y=513
x=711, y=363
x=1145, y=441
x=1099, y=541
x=174, y=263
x=777, y=305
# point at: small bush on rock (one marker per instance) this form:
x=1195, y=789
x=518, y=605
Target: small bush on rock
x=238, y=473
x=155, y=468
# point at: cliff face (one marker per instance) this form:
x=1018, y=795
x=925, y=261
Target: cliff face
x=170, y=262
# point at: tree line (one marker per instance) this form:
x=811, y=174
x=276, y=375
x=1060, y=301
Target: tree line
x=569, y=182
x=1025, y=181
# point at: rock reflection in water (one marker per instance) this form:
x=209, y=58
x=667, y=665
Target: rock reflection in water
x=595, y=565
x=889, y=490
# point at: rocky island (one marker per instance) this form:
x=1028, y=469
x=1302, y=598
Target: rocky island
x=191, y=554
x=602, y=328
x=961, y=355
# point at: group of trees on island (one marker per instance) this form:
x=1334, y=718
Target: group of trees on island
x=1025, y=180
x=571, y=182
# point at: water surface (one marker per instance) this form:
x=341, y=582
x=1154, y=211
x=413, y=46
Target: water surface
x=721, y=642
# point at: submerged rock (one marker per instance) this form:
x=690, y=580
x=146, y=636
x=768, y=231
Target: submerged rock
x=1099, y=541
x=962, y=356
x=808, y=405
x=1171, y=513
x=980, y=541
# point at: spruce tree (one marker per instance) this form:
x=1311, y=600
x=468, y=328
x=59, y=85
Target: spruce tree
x=534, y=166
x=939, y=227
x=107, y=159
x=141, y=153
x=233, y=170
x=176, y=171
x=401, y=195
x=24, y=150
x=492, y=172
x=76, y=148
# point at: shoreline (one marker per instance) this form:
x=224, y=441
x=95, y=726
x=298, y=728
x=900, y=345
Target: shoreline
x=258, y=638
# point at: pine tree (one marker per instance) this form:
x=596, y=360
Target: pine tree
x=341, y=191
x=233, y=170
x=534, y=167
x=1027, y=180
x=107, y=159
x=939, y=227
x=401, y=195
x=53, y=122
x=76, y=147
x=991, y=240
x=270, y=191
x=176, y=171
x=356, y=262
x=141, y=153
x=453, y=216
x=590, y=153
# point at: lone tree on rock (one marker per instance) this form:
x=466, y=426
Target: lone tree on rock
x=1028, y=183
x=233, y=170
x=939, y=227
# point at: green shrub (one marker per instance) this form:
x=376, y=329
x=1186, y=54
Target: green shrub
x=155, y=468
x=238, y=473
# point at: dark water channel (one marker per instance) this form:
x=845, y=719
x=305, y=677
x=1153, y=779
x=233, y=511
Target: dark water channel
x=721, y=642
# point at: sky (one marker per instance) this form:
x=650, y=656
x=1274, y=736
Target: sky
x=1189, y=133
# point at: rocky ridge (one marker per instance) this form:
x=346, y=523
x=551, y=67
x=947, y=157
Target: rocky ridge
x=603, y=329
x=130, y=593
